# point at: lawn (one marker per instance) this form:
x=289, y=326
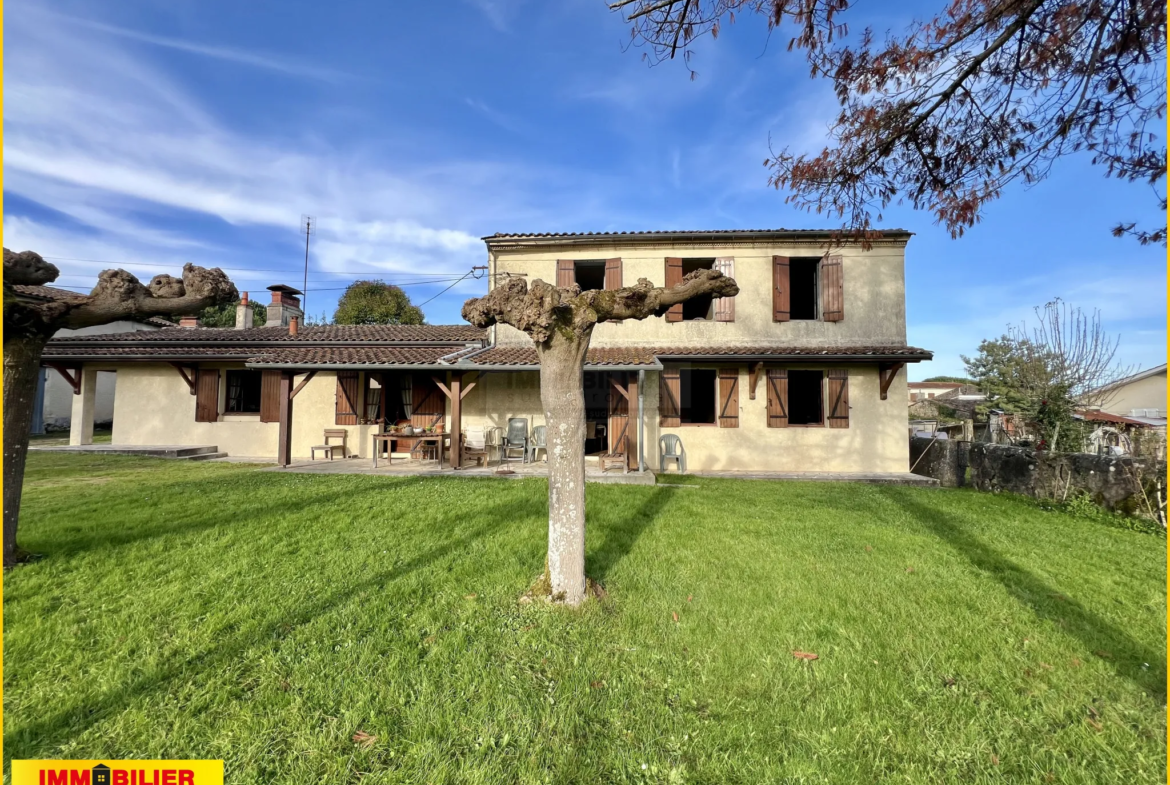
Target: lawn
x=333, y=629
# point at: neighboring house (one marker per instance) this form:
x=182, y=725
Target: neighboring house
x=55, y=391
x=802, y=371
x=1141, y=396
x=923, y=391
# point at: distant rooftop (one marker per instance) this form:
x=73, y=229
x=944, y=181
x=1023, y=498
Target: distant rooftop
x=690, y=235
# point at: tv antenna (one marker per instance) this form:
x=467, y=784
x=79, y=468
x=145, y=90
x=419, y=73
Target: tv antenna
x=308, y=226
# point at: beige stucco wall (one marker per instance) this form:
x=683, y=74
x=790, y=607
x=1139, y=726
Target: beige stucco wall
x=58, y=402
x=1148, y=393
x=875, y=295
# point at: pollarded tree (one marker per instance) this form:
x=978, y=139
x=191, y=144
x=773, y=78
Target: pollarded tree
x=29, y=322
x=560, y=323
x=947, y=113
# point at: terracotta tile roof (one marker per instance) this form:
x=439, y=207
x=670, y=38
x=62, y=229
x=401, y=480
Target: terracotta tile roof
x=449, y=333
x=911, y=353
x=1098, y=416
x=353, y=355
x=933, y=385
x=523, y=355
x=46, y=292
x=661, y=234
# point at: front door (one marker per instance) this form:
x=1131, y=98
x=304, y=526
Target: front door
x=619, y=414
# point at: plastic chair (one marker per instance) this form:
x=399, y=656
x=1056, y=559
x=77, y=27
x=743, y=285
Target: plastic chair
x=516, y=438
x=475, y=444
x=493, y=441
x=671, y=448
x=537, y=443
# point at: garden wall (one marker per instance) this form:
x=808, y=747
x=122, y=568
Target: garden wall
x=1113, y=482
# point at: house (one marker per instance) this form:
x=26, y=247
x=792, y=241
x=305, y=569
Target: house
x=804, y=370
x=923, y=391
x=54, y=392
x=1140, y=396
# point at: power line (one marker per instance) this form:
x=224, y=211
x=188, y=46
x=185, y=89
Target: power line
x=452, y=286
x=234, y=269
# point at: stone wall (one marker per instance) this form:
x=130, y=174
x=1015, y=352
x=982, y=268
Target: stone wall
x=1113, y=482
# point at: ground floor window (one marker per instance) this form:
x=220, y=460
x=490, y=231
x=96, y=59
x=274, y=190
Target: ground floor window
x=243, y=392
x=805, y=404
x=697, y=394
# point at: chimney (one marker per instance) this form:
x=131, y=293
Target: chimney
x=292, y=325
x=285, y=306
x=244, y=313
x=188, y=321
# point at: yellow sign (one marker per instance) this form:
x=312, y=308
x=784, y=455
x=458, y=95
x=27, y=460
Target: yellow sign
x=117, y=772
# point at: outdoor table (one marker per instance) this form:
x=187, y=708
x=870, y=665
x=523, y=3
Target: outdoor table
x=423, y=437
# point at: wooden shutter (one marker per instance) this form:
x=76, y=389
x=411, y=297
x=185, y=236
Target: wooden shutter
x=777, y=398
x=725, y=306
x=270, y=396
x=345, y=402
x=207, y=395
x=674, y=277
x=429, y=405
x=619, y=414
x=669, y=393
x=613, y=274
x=729, y=397
x=781, y=290
x=832, y=289
x=565, y=273
x=838, y=398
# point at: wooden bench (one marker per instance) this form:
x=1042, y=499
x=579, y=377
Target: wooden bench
x=327, y=448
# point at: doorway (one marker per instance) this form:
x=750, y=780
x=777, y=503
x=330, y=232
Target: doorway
x=596, y=412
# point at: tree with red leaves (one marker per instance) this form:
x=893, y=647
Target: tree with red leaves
x=947, y=114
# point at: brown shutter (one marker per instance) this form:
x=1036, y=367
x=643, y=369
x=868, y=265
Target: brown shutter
x=270, y=396
x=674, y=277
x=838, y=398
x=832, y=289
x=429, y=405
x=613, y=274
x=781, y=291
x=206, y=395
x=777, y=398
x=725, y=306
x=619, y=415
x=729, y=397
x=565, y=274
x=669, y=391
x=345, y=403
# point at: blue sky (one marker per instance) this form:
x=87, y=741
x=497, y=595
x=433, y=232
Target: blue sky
x=153, y=132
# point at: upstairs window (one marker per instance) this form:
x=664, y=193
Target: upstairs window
x=698, y=308
x=803, y=288
x=243, y=392
x=589, y=274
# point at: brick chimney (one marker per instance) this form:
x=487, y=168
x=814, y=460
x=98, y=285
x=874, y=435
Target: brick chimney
x=188, y=321
x=293, y=323
x=285, y=306
x=244, y=313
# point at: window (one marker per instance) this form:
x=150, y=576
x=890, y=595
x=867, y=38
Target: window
x=805, y=406
x=697, y=394
x=243, y=392
x=589, y=274
x=698, y=308
x=803, y=285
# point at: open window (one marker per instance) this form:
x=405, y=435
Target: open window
x=803, y=287
x=805, y=398
x=589, y=274
x=697, y=404
x=243, y=392
x=698, y=308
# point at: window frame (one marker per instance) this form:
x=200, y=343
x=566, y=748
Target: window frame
x=714, y=387
x=817, y=310
x=824, y=422
x=687, y=268
x=591, y=264
x=236, y=373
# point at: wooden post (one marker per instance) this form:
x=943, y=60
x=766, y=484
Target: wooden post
x=456, y=420
x=284, y=439
x=632, y=444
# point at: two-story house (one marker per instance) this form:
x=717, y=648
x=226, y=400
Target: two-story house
x=802, y=371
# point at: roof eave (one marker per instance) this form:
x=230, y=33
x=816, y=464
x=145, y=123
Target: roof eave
x=502, y=242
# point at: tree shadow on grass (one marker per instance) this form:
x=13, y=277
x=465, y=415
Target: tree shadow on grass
x=49, y=731
x=1121, y=651
x=621, y=535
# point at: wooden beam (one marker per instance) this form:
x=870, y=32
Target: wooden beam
x=456, y=397
x=284, y=438
x=469, y=387
x=190, y=380
x=301, y=386
x=886, y=374
x=442, y=386
x=74, y=379
x=625, y=392
x=754, y=372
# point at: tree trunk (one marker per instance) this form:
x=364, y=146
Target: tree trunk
x=22, y=363
x=562, y=362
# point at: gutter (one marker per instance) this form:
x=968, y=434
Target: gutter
x=298, y=344
x=459, y=366
x=910, y=358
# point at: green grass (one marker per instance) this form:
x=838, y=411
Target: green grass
x=215, y=611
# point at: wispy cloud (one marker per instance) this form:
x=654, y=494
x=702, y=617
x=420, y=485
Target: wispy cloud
x=228, y=54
